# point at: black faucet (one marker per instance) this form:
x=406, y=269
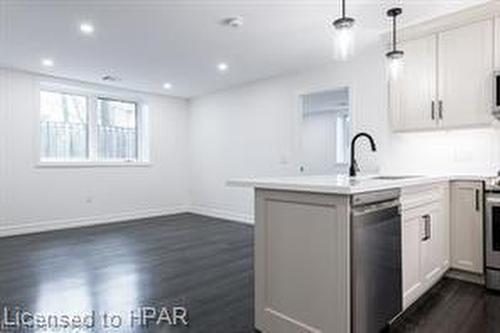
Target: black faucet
x=354, y=166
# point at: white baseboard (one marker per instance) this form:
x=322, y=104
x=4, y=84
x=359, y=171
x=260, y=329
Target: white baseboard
x=222, y=214
x=41, y=226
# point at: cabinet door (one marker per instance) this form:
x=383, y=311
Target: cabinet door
x=465, y=75
x=467, y=226
x=497, y=42
x=411, y=239
x=432, y=249
x=413, y=91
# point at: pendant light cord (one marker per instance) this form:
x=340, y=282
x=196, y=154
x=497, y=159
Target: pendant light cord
x=394, y=33
x=343, y=8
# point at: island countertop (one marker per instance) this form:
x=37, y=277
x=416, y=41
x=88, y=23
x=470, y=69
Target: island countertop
x=341, y=184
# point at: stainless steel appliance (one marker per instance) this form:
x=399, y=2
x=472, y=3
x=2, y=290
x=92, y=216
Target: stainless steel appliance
x=496, y=94
x=492, y=234
x=376, y=289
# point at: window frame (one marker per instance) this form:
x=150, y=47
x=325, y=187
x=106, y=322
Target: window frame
x=92, y=96
x=138, y=124
x=341, y=167
x=39, y=134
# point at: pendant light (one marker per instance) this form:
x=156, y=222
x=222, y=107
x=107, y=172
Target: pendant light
x=395, y=56
x=344, y=38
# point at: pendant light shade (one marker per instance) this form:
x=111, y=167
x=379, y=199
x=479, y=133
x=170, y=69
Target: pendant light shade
x=394, y=53
x=344, y=36
x=395, y=56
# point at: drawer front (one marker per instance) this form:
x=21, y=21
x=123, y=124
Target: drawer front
x=413, y=197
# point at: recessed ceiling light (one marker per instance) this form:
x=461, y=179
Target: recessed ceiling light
x=167, y=85
x=222, y=67
x=48, y=62
x=87, y=28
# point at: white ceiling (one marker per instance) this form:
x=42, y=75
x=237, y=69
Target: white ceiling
x=148, y=42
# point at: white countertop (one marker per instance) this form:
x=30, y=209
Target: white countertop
x=341, y=184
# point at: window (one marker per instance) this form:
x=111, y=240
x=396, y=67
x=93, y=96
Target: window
x=89, y=128
x=116, y=130
x=325, y=131
x=64, y=126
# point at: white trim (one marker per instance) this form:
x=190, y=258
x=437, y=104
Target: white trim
x=481, y=12
x=89, y=89
x=222, y=214
x=41, y=226
x=90, y=164
x=299, y=119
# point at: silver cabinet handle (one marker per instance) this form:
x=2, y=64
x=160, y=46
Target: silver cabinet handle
x=427, y=227
x=477, y=201
x=433, y=110
x=440, y=109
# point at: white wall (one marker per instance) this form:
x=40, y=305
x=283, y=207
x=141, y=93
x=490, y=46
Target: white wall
x=33, y=198
x=467, y=151
x=251, y=130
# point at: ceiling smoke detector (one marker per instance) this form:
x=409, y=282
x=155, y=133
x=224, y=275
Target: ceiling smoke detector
x=110, y=78
x=233, y=22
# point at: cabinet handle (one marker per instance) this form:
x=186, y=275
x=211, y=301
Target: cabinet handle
x=440, y=110
x=433, y=110
x=477, y=201
x=429, y=230
x=427, y=227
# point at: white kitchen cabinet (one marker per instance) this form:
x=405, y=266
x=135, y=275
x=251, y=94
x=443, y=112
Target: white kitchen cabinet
x=467, y=226
x=425, y=239
x=432, y=241
x=446, y=80
x=497, y=42
x=413, y=90
x=302, y=267
x=411, y=239
x=465, y=75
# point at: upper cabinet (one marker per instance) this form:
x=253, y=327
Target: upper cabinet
x=413, y=93
x=446, y=80
x=466, y=75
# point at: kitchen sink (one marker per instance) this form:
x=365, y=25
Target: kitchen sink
x=396, y=177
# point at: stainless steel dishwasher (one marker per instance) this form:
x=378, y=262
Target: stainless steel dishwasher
x=376, y=283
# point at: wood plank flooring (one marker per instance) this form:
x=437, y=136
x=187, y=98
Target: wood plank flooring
x=452, y=306
x=202, y=263
x=189, y=260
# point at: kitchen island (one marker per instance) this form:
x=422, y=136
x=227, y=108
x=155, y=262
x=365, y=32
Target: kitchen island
x=322, y=266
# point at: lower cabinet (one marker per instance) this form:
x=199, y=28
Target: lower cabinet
x=425, y=240
x=433, y=242
x=467, y=226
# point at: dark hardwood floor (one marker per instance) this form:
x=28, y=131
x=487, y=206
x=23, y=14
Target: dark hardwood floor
x=201, y=263
x=452, y=306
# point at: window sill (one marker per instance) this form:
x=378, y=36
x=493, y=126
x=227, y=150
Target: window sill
x=84, y=164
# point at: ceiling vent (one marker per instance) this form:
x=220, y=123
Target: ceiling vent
x=110, y=78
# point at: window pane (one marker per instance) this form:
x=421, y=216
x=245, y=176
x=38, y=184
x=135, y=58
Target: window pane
x=117, y=130
x=342, y=138
x=64, y=126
